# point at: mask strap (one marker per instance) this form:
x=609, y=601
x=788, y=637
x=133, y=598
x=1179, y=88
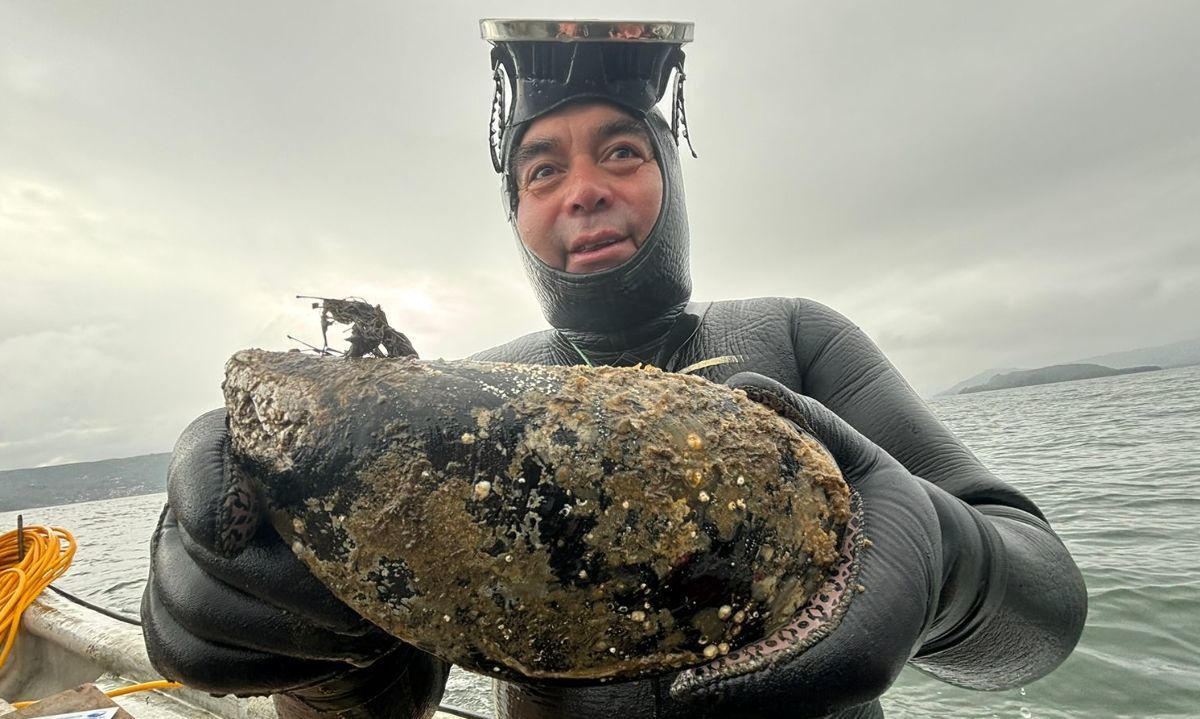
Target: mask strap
x=679, y=123
x=496, y=117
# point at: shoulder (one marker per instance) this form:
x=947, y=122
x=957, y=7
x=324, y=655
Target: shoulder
x=811, y=332
x=795, y=310
x=533, y=348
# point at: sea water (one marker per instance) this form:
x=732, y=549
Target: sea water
x=1115, y=465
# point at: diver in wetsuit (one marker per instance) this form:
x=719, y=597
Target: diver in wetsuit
x=959, y=573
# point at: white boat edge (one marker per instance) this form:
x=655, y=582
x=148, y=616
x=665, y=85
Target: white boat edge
x=62, y=645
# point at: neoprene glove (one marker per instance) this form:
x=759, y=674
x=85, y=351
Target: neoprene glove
x=229, y=609
x=919, y=569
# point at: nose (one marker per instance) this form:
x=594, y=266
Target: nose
x=588, y=190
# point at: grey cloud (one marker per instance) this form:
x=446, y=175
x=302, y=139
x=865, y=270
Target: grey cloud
x=976, y=185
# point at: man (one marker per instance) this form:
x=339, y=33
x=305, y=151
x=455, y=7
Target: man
x=953, y=570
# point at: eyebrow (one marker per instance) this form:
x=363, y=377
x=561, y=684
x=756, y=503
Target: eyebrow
x=623, y=126
x=528, y=151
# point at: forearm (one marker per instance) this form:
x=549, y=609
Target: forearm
x=1014, y=602
x=405, y=684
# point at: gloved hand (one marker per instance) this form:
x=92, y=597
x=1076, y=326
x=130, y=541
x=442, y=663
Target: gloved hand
x=919, y=570
x=229, y=609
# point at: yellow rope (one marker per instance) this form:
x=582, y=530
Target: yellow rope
x=144, y=686
x=48, y=552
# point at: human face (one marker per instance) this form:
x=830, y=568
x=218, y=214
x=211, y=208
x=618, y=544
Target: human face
x=588, y=187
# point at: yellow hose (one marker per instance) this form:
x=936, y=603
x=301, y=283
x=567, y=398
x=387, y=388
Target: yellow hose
x=48, y=552
x=25, y=572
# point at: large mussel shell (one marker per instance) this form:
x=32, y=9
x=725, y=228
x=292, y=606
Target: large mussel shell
x=533, y=522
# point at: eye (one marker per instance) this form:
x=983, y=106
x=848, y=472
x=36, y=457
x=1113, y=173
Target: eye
x=541, y=172
x=624, y=152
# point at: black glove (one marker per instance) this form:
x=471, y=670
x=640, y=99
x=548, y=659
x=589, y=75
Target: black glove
x=229, y=609
x=920, y=569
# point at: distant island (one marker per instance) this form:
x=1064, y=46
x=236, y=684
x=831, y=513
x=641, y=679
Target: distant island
x=1052, y=374
x=1169, y=356
x=83, y=481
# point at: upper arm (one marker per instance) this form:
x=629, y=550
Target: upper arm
x=843, y=369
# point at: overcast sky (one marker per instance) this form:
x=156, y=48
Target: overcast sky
x=976, y=184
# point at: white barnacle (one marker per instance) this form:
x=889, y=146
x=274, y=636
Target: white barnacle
x=725, y=612
x=710, y=651
x=482, y=489
x=467, y=438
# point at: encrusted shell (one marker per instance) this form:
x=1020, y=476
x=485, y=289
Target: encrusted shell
x=536, y=522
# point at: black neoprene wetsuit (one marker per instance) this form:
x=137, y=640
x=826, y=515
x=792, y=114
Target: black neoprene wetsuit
x=1004, y=606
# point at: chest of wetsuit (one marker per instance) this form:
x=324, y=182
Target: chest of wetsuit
x=810, y=349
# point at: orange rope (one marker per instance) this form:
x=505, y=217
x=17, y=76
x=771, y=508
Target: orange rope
x=48, y=553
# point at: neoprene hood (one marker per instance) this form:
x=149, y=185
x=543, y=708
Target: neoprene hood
x=546, y=64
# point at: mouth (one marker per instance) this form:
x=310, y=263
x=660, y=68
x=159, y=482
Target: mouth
x=599, y=251
x=593, y=241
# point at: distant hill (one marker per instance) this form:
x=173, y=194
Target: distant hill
x=981, y=378
x=83, y=482
x=1176, y=354
x=1052, y=374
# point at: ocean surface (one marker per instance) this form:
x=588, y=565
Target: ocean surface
x=1114, y=463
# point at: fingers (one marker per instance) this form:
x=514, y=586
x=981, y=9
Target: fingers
x=216, y=513
x=204, y=487
x=890, y=587
x=269, y=570
x=216, y=612
x=228, y=608
x=890, y=600
x=218, y=668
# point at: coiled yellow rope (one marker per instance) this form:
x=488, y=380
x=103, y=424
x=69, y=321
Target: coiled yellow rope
x=30, y=559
